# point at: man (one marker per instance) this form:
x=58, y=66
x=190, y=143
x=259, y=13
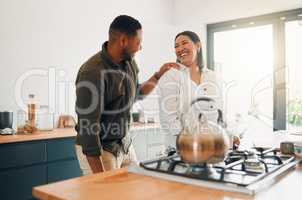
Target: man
x=106, y=87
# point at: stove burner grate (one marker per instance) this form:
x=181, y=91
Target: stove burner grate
x=240, y=167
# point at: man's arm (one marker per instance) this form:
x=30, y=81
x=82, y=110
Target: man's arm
x=89, y=108
x=149, y=85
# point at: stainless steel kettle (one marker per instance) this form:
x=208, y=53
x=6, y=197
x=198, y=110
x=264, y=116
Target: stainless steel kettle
x=202, y=140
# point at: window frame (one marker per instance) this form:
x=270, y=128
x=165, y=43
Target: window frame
x=277, y=20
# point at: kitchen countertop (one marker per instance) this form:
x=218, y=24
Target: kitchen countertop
x=142, y=126
x=60, y=133
x=38, y=135
x=119, y=184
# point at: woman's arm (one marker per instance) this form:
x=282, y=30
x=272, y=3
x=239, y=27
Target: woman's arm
x=169, y=99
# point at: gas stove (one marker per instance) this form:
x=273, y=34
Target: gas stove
x=244, y=171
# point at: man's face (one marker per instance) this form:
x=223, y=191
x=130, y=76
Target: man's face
x=133, y=45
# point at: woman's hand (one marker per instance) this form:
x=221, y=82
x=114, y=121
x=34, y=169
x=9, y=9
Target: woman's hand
x=165, y=67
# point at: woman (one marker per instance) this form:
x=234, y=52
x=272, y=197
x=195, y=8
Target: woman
x=177, y=88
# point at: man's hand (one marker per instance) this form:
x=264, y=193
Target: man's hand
x=96, y=164
x=150, y=84
x=165, y=67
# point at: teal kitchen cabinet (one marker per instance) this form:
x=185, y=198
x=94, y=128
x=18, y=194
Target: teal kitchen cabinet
x=26, y=164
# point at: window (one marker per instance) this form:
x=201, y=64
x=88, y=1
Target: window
x=258, y=61
x=244, y=59
x=293, y=42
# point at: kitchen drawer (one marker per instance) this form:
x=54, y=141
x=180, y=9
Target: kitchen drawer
x=155, y=151
x=22, y=154
x=16, y=184
x=60, y=149
x=63, y=170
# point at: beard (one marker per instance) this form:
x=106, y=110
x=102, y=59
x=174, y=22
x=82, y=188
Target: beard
x=126, y=55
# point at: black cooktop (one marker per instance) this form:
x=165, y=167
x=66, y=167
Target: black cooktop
x=240, y=167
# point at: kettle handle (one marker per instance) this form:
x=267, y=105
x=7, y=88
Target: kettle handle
x=202, y=99
x=220, y=119
x=208, y=99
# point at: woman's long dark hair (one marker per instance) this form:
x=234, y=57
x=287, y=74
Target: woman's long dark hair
x=195, y=39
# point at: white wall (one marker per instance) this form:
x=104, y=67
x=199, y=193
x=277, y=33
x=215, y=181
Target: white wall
x=57, y=36
x=210, y=11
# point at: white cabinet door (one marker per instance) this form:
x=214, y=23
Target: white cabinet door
x=148, y=143
x=139, y=140
x=155, y=137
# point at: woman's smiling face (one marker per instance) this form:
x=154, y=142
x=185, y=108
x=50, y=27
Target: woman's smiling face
x=186, y=50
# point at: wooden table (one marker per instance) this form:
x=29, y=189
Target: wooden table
x=119, y=184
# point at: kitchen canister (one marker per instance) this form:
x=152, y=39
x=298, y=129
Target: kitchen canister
x=45, y=119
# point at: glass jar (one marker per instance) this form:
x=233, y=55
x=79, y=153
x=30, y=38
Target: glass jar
x=21, y=121
x=45, y=119
x=31, y=106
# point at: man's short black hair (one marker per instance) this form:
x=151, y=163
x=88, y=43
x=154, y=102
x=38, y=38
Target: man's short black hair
x=124, y=24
